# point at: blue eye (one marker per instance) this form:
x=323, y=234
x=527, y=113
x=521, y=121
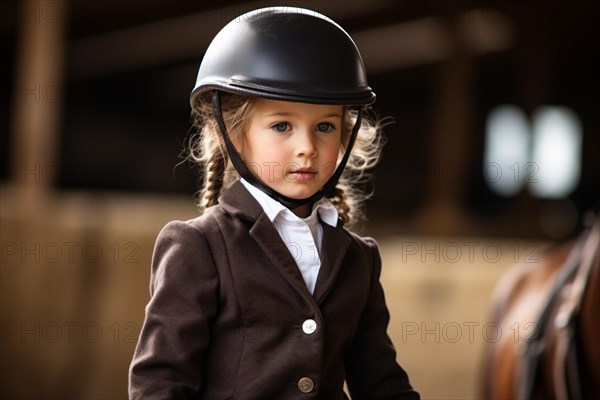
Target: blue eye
x=281, y=127
x=325, y=127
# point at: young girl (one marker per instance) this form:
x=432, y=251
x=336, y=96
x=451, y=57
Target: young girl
x=266, y=295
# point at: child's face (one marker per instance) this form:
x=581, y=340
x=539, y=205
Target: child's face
x=293, y=147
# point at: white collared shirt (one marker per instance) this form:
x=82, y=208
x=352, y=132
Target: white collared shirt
x=302, y=236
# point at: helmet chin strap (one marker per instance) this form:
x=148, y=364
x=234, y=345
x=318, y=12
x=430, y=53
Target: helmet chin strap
x=245, y=173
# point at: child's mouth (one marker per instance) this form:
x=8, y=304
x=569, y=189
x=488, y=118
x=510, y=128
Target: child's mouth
x=303, y=175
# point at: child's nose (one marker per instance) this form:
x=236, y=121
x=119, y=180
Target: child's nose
x=305, y=146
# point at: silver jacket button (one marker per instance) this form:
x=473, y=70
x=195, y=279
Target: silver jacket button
x=306, y=385
x=309, y=326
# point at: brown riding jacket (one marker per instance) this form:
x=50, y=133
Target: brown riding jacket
x=229, y=308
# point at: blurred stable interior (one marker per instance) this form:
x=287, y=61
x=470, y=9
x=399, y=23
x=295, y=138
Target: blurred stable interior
x=493, y=155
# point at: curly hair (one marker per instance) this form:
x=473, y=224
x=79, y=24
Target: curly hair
x=207, y=152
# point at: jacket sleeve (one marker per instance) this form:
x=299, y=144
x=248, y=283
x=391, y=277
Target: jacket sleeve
x=371, y=368
x=167, y=363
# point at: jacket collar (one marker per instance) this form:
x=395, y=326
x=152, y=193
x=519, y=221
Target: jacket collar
x=322, y=209
x=237, y=201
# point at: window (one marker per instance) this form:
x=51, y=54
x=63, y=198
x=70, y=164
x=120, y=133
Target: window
x=557, y=152
x=544, y=156
x=507, y=141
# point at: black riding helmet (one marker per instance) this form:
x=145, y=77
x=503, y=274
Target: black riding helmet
x=290, y=54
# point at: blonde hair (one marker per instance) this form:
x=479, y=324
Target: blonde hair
x=206, y=150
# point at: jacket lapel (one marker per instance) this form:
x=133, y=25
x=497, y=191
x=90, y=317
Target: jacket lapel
x=333, y=249
x=272, y=245
x=238, y=201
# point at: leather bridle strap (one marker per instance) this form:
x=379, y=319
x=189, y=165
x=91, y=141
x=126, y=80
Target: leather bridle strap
x=537, y=342
x=577, y=266
x=566, y=363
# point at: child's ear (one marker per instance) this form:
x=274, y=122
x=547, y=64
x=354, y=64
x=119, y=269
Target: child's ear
x=239, y=141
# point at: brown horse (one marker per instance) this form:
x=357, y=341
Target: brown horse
x=549, y=312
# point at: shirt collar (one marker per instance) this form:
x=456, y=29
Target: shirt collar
x=272, y=208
